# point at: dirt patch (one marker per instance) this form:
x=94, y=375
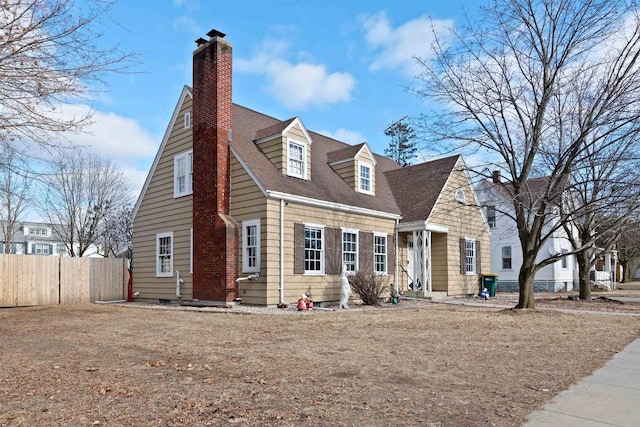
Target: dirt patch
x=418, y=363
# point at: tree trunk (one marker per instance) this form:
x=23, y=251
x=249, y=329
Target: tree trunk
x=584, y=267
x=525, y=281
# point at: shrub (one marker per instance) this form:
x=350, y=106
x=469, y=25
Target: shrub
x=369, y=288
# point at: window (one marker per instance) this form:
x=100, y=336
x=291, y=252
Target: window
x=313, y=249
x=459, y=196
x=41, y=248
x=490, y=211
x=380, y=253
x=187, y=120
x=564, y=259
x=251, y=246
x=506, y=257
x=296, y=160
x=183, y=174
x=470, y=256
x=164, y=254
x=38, y=231
x=350, y=250
x=364, y=178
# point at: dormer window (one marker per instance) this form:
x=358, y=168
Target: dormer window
x=364, y=178
x=296, y=160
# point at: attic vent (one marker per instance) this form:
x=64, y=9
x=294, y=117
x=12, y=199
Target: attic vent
x=459, y=196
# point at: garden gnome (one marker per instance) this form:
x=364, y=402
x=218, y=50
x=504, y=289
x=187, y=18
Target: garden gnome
x=346, y=287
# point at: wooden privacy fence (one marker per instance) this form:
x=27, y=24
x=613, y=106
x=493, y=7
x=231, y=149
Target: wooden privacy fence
x=46, y=280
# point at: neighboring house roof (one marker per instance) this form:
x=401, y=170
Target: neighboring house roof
x=417, y=199
x=536, y=189
x=325, y=184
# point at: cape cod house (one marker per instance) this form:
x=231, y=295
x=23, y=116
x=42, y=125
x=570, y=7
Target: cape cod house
x=240, y=205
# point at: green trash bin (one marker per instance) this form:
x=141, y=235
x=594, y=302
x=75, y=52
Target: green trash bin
x=490, y=281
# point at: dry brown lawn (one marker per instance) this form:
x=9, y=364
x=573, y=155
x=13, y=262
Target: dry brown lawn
x=416, y=364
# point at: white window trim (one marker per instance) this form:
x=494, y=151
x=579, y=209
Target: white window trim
x=187, y=120
x=502, y=257
x=290, y=142
x=245, y=264
x=322, y=251
x=158, y=272
x=359, y=180
x=475, y=257
x=386, y=253
x=188, y=173
x=460, y=196
x=357, y=260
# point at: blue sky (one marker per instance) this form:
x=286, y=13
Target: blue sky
x=343, y=67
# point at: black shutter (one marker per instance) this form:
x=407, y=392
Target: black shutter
x=365, y=253
x=298, y=244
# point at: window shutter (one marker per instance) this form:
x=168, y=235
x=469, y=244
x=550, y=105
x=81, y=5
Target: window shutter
x=391, y=255
x=463, y=254
x=332, y=250
x=50, y=249
x=33, y=248
x=478, y=258
x=298, y=241
x=365, y=252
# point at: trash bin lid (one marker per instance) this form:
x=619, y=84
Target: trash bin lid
x=489, y=275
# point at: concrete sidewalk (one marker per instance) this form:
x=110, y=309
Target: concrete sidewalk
x=608, y=397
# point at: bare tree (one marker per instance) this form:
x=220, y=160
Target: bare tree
x=50, y=54
x=82, y=191
x=15, y=193
x=628, y=247
x=116, y=232
x=530, y=85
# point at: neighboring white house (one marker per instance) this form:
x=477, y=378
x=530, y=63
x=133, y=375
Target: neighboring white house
x=505, y=248
x=37, y=238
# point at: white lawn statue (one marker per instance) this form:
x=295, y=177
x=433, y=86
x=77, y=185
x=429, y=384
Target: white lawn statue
x=346, y=287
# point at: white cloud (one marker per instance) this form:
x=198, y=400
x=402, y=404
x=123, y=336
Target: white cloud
x=119, y=138
x=178, y=2
x=297, y=85
x=398, y=47
x=345, y=135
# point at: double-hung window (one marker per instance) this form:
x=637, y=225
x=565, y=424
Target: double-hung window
x=164, y=254
x=350, y=249
x=364, y=178
x=470, y=256
x=380, y=253
x=506, y=257
x=251, y=246
x=183, y=174
x=491, y=216
x=313, y=249
x=296, y=160
x=565, y=260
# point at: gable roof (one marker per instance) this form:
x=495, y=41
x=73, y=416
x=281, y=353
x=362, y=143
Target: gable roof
x=325, y=184
x=534, y=191
x=417, y=187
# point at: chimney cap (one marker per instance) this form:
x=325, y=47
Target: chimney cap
x=200, y=41
x=215, y=33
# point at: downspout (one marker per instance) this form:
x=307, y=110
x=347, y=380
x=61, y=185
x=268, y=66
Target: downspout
x=281, y=251
x=397, y=275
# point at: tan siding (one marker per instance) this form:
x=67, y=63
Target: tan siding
x=347, y=171
x=462, y=220
x=160, y=212
x=323, y=288
x=275, y=151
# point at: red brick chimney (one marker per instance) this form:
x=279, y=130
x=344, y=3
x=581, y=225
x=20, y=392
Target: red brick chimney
x=215, y=233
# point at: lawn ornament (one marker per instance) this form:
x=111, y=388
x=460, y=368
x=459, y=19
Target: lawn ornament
x=346, y=288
